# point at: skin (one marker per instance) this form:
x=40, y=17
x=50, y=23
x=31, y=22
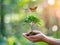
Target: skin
x=40, y=37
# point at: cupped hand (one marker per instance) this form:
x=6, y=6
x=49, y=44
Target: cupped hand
x=35, y=38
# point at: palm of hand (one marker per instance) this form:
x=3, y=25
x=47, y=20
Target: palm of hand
x=35, y=38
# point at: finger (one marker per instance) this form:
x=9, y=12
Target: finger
x=32, y=39
x=24, y=34
x=35, y=36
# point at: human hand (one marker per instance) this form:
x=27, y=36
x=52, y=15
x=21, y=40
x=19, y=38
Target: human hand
x=35, y=38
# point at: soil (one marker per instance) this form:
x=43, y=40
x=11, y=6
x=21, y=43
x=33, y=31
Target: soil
x=31, y=33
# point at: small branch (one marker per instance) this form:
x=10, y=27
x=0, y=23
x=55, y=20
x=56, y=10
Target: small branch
x=32, y=24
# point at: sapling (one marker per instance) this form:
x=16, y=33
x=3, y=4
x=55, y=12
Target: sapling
x=32, y=20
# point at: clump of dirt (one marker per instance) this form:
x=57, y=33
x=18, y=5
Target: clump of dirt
x=31, y=33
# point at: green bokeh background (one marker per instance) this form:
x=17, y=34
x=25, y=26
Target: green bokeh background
x=12, y=15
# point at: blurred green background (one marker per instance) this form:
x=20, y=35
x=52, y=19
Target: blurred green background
x=13, y=13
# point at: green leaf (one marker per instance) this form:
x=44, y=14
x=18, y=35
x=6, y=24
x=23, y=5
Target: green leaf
x=33, y=19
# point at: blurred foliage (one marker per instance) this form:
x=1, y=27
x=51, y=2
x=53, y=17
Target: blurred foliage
x=15, y=11
x=42, y=43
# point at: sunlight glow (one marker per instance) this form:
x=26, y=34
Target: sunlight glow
x=7, y=19
x=58, y=2
x=58, y=14
x=51, y=2
x=33, y=0
x=55, y=28
x=15, y=17
x=39, y=9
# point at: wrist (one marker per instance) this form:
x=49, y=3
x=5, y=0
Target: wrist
x=44, y=38
x=48, y=40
